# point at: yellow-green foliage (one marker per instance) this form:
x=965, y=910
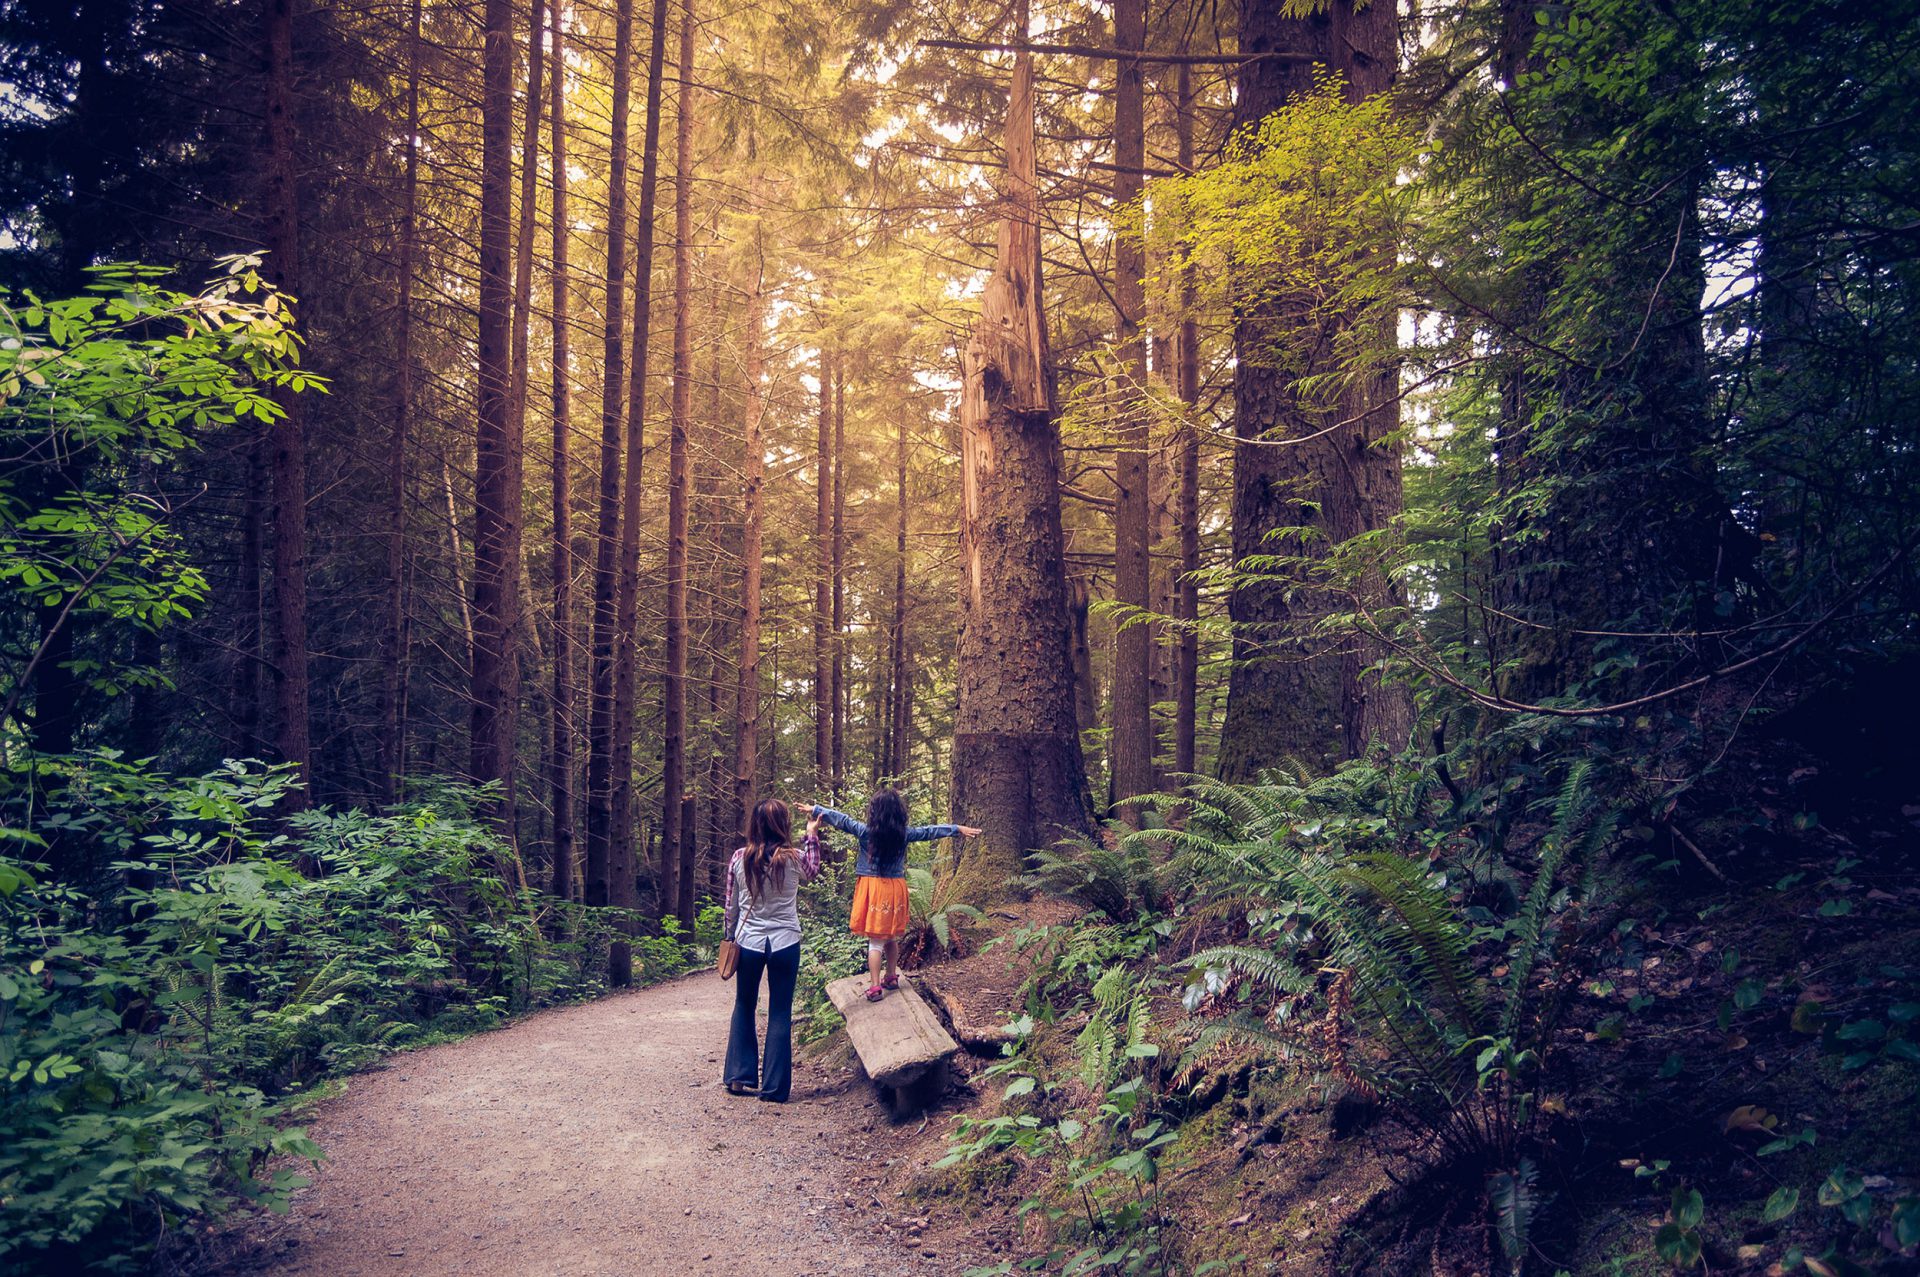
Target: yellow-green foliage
x=1311, y=207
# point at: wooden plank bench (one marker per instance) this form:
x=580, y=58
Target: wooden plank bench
x=900, y=1041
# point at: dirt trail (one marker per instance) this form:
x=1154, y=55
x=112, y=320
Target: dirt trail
x=596, y=1139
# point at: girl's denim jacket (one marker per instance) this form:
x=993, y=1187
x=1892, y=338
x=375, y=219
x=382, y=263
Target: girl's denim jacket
x=894, y=866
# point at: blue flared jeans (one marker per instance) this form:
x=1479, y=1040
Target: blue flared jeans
x=773, y=1075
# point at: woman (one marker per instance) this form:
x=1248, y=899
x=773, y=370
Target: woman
x=880, y=892
x=763, y=918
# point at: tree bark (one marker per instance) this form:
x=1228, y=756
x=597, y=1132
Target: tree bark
x=897, y=632
x=1290, y=696
x=497, y=443
x=627, y=640
x=393, y=649
x=560, y=764
x=1132, y=694
x=676, y=839
x=823, y=581
x=838, y=577
x=1186, y=388
x=523, y=234
x=746, y=695
x=601, y=887
x=1017, y=767
x=252, y=656
x=288, y=434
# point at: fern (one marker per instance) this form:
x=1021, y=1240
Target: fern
x=1339, y=898
x=1514, y=1196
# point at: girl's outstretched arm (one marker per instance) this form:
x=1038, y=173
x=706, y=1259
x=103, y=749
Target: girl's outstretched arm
x=928, y=833
x=839, y=820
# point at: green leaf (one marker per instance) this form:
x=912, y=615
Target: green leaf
x=1782, y=1204
x=1687, y=1207
x=1841, y=1186
x=1678, y=1246
x=1906, y=1223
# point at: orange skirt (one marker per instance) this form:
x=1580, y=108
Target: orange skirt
x=879, y=908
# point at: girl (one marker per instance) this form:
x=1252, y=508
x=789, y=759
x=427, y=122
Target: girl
x=880, y=893
x=763, y=918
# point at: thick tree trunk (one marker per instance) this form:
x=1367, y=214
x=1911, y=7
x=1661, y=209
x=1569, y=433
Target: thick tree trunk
x=627, y=642
x=1289, y=696
x=1132, y=724
x=288, y=435
x=393, y=647
x=1017, y=767
x=603, y=877
x=823, y=582
x=1186, y=388
x=676, y=838
x=560, y=760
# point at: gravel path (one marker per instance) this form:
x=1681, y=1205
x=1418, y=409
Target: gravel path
x=596, y=1139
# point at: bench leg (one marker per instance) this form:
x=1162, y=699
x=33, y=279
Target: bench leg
x=918, y=1095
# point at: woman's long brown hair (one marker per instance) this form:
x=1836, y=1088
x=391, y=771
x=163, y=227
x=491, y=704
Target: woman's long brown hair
x=769, y=844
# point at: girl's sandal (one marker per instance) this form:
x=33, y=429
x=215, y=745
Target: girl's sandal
x=735, y=1088
x=876, y=993
x=891, y=982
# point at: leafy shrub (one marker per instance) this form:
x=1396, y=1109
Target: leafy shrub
x=934, y=908
x=152, y=1031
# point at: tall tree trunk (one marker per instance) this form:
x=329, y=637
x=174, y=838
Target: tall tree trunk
x=1017, y=768
x=457, y=556
x=1132, y=704
x=560, y=763
x=838, y=578
x=497, y=440
x=393, y=695
x=677, y=837
x=602, y=887
x=716, y=514
x=897, y=631
x=288, y=435
x=1307, y=702
x=746, y=695
x=252, y=661
x=627, y=640
x=823, y=581
x=522, y=320
x=1186, y=388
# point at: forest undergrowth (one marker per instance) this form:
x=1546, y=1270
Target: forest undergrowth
x=228, y=963
x=1380, y=1022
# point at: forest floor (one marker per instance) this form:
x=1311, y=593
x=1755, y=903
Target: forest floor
x=599, y=1139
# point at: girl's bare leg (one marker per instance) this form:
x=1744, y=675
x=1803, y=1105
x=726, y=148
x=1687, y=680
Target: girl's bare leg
x=893, y=958
x=873, y=965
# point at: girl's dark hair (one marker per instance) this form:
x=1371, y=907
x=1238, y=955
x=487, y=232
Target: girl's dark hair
x=769, y=844
x=886, y=824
